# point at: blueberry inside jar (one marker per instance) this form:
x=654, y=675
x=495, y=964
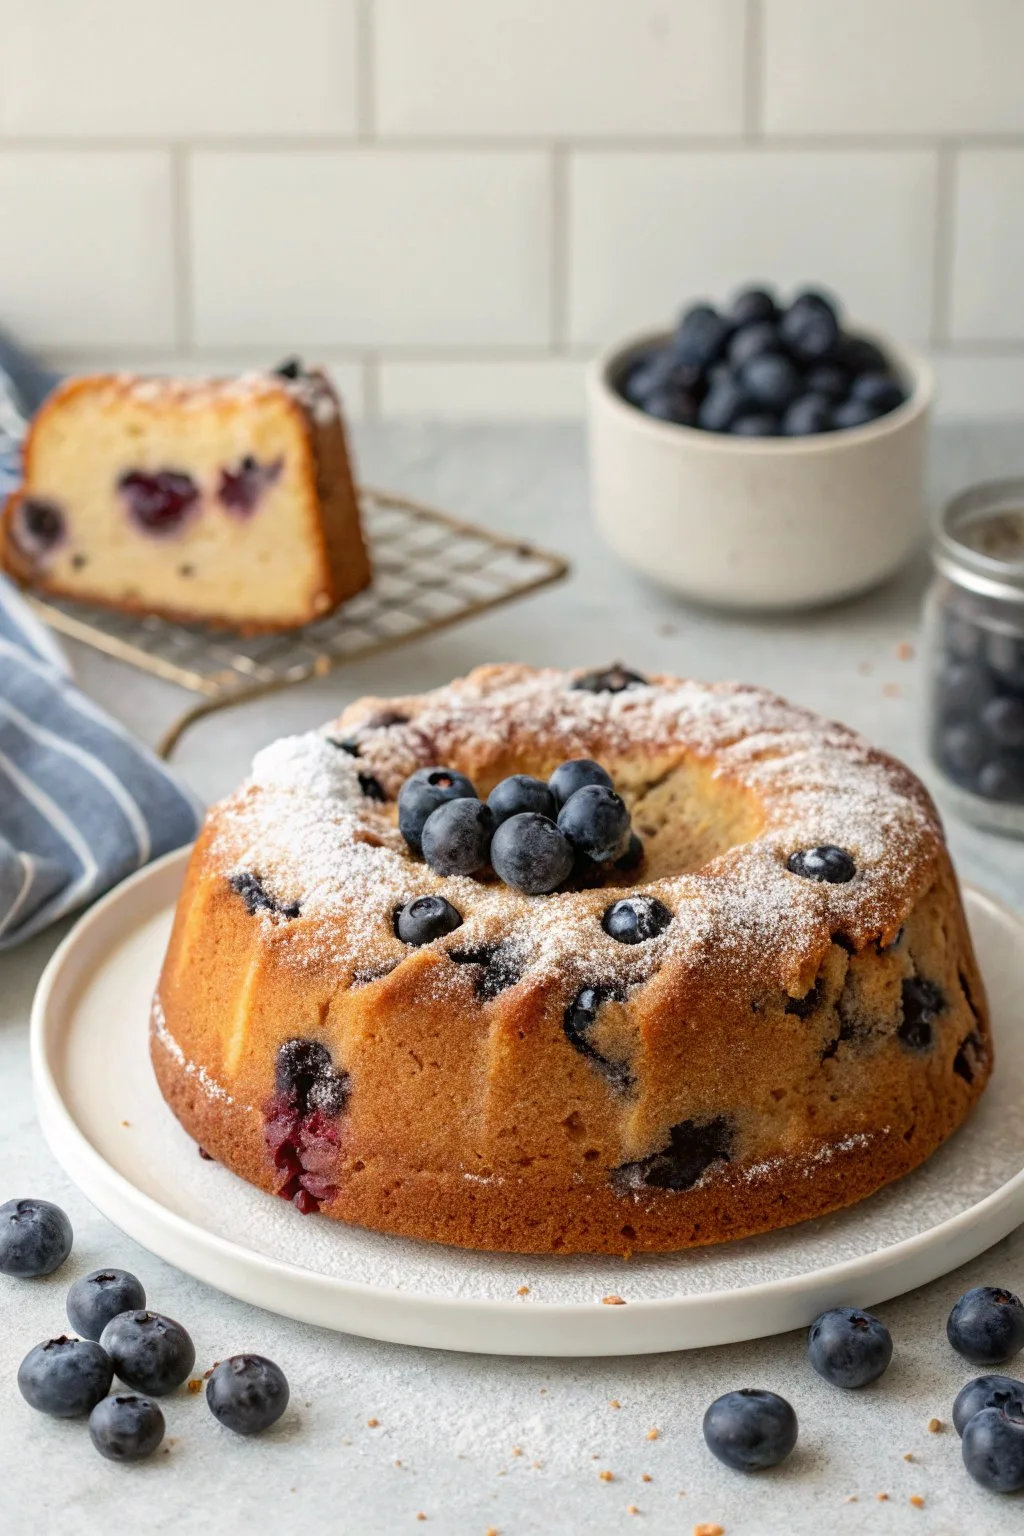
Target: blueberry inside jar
x=975, y=654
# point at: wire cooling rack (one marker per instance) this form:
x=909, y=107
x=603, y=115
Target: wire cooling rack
x=429, y=571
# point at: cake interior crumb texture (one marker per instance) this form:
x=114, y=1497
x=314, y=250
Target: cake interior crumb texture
x=782, y=1048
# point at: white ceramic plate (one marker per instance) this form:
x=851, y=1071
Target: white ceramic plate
x=104, y=1118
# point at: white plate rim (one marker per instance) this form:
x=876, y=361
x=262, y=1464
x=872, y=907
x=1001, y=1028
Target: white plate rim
x=481, y=1325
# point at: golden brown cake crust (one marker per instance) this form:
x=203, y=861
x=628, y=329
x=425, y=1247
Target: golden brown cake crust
x=782, y=1049
x=323, y=477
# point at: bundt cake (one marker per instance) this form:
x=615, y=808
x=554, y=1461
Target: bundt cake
x=224, y=501
x=752, y=1000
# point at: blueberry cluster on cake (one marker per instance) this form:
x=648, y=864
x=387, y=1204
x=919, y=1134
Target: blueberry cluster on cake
x=425, y=978
x=225, y=501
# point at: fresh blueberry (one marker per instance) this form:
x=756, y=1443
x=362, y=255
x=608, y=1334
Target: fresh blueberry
x=65, y=1377
x=751, y=305
x=291, y=368
x=1005, y=655
x=828, y=863
x=35, y=1238
x=808, y=415
x=771, y=381
x=755, y=424
x=964, y=686
x=247, y=1394
x=306, y=1078
x=853, y=413
x=858, y=355
x=573, y=775
x=241, y=487
x=636, y=919
x=652, y=371
x=1001, y=780
x=149, y=1352
x=750, y=1429
x=962, y=637
x=1004, y=1392
x=372, y=788
x=125, y=1427
x=724, y=401
x=961, y=752
x=596, y=821
x=673, y=404
x=828, y=379
x=757, y=340
x=616, y=679
x=160, y=502
x=922, y=1002
x=701, y=336
x=426, y=918
x=1003, y=718
x=986, y=1325
x=993, y=1450
x=521, y=793
x=257, y=898
x=456, y=838
x=97, y=1297
x=809, y=327
x=633, y=856
x=879, y=390
x=422, y=793
x=849, y=1348
x=531, y=854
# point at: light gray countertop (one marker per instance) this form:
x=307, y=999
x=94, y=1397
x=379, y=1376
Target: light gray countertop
x=480, y=1443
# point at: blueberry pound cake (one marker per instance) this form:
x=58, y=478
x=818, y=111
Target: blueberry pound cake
x=572, y=962
x=228, y=502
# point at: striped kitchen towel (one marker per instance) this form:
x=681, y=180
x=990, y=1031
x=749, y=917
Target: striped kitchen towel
x=81, y=803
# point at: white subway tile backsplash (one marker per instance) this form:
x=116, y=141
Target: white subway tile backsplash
x=86, y=250
x=570, y=68
x=513, y=388
x=650, y=231
x=893, y=66
x=173, y=67
x=978, y=386
x=988, y=246
x=371, y=247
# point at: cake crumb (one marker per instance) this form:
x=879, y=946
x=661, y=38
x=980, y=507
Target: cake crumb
x=420, y=1515
x=935, y=1426
x=881, y=1497
x=612, y=1301
x=917, y=1501
x=517, y=1450
x=908, y=1455
x=195, y=1384
x=345, y=1440
x=631, y=1509
x=652, y=1434
x=209, y=1373
x=537, y=1465
x=606, y=1476
x=708, y=1528
x=645, y=1477
x=398, y=1462
x=373, y=1424
x=905, y=651
x=851, y=1498
x=524, y=1290
x=492, y=1531
x=613, y=1402
x=127, y=1124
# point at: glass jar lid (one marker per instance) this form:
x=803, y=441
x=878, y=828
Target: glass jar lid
x=979, y=540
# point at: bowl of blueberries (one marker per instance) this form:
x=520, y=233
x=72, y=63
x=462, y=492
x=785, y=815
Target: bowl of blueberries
x=764, y=454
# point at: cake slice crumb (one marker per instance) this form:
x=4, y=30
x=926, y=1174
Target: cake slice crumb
x=935, y=1426
x=917, y=1501
x=612, y=1301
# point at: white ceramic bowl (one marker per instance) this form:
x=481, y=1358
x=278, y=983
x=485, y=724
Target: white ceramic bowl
x=769, y=523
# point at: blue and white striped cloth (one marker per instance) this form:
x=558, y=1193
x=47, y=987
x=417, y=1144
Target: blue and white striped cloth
x=81, y=803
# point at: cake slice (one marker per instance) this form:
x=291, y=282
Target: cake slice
x=223, y=501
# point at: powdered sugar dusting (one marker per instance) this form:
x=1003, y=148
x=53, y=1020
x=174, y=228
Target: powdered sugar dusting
x=304, y=825
x=211, y=1088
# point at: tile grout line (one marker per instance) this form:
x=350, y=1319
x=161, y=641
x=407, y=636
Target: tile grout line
x=944, y=235
x=753, y=70
x=558, y=319
x=181, y=249
x=366, y=100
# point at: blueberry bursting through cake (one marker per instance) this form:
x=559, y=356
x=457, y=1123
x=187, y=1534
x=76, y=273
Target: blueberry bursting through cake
x=553, y=962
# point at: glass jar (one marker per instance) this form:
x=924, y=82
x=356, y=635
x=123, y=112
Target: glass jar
x=974, y=635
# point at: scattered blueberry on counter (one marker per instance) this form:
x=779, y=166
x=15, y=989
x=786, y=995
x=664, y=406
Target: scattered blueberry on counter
x=247, y=1394
x=763, y=369
x=988, y=1392
x=986, y=1325
x=35, y=1238
x=99, y=1296
x=750, y=1429
x=65, y=1377
x=849, y=1348
x=149, y=1352
x=125, y=1427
